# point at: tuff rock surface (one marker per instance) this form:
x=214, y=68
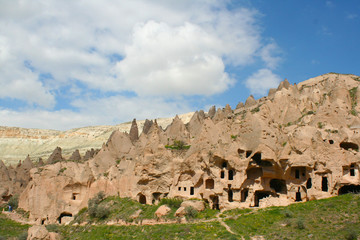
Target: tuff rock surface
x=297, y=144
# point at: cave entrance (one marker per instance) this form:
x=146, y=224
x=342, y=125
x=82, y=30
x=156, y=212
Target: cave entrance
x=231, y=175
x=142, y=199
x=278, y=185
x=349, y=145
x=298, y=196
x=352, y=170
x=349, y=189
x=215, y=202
x=156, y=197
x=309, y=183
x=260, y=195
x=64, y=214
x=209, y=183
x=324, y=184
x=191, y=190
x=230, y=195
x=244, y=194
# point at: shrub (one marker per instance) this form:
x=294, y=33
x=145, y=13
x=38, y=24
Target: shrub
x=300, y=224
x=52, y=228
x=14, y=201
x=94, y=209
x=171, y=202
x=320, y=125
x=351, y=234
x=190, y=212
x=102, y=212
x=288, y=214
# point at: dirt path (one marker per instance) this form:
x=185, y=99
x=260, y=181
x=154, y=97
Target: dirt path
x=17, y=217
x=224, y=224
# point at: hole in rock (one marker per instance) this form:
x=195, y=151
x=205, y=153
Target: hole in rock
x=349, y=145
x=209, y=184
x=349, y=189
x=324, y=184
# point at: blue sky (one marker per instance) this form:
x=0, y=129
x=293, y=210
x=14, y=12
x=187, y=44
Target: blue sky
x=68, y=64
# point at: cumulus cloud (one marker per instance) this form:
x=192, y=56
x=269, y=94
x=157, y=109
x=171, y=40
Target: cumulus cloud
x=158, y=51
x=173, y=61
x=261, y=81
x=270, y=55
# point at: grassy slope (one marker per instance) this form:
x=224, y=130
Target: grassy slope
x=333, y=218
x=9, y=228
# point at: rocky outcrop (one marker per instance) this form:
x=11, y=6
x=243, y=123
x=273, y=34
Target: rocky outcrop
x=55, y=156
x=134, y=132
x=17, y=143
x=75, y=156
x=297, y=145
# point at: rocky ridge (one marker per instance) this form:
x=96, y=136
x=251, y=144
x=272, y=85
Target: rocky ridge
x=299, y=143
x=16, y=143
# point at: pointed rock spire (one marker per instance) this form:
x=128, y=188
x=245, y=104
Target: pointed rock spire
x=212, y=112
x=227, y=110
x=75, y=156
x=240, y=105
x=134, y=131
x=55, y=156
x=27, y=164
x=250, y=101
x=147, y=126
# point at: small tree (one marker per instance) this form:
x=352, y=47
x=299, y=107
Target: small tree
x=14, y=201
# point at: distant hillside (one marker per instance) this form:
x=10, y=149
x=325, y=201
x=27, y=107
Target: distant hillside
x=16, y=143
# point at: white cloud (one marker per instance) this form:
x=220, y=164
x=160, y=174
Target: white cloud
x=270, y=55
x=173, y=61
x=261, y=81
x=164, y=49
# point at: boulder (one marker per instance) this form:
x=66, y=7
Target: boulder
x=197, y=205
x=162, y=211
x=39, y=232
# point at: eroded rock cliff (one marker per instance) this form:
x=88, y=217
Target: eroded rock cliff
x=297, y=144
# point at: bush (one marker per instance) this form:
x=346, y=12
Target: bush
x=300, y=224
x=14, y=201
x=102, y=212
x=95, y=210
x=288, y=213
x=52, y=228
x=171, y=202
x=190, y=212
x=351, y=234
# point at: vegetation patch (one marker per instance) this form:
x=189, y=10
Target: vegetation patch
x=10, y=229
x=178, y=145
x=352, y=93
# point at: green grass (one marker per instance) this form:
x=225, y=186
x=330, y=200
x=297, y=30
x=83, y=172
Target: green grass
x=211, y=230
x=11, y=229
x=123, y=208
x=332, y=218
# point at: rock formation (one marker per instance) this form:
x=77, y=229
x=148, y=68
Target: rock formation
x=134, y=132
x=300, y=143
x=16, y=143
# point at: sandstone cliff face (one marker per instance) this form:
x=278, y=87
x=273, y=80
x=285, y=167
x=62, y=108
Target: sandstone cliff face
x=299, y=143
